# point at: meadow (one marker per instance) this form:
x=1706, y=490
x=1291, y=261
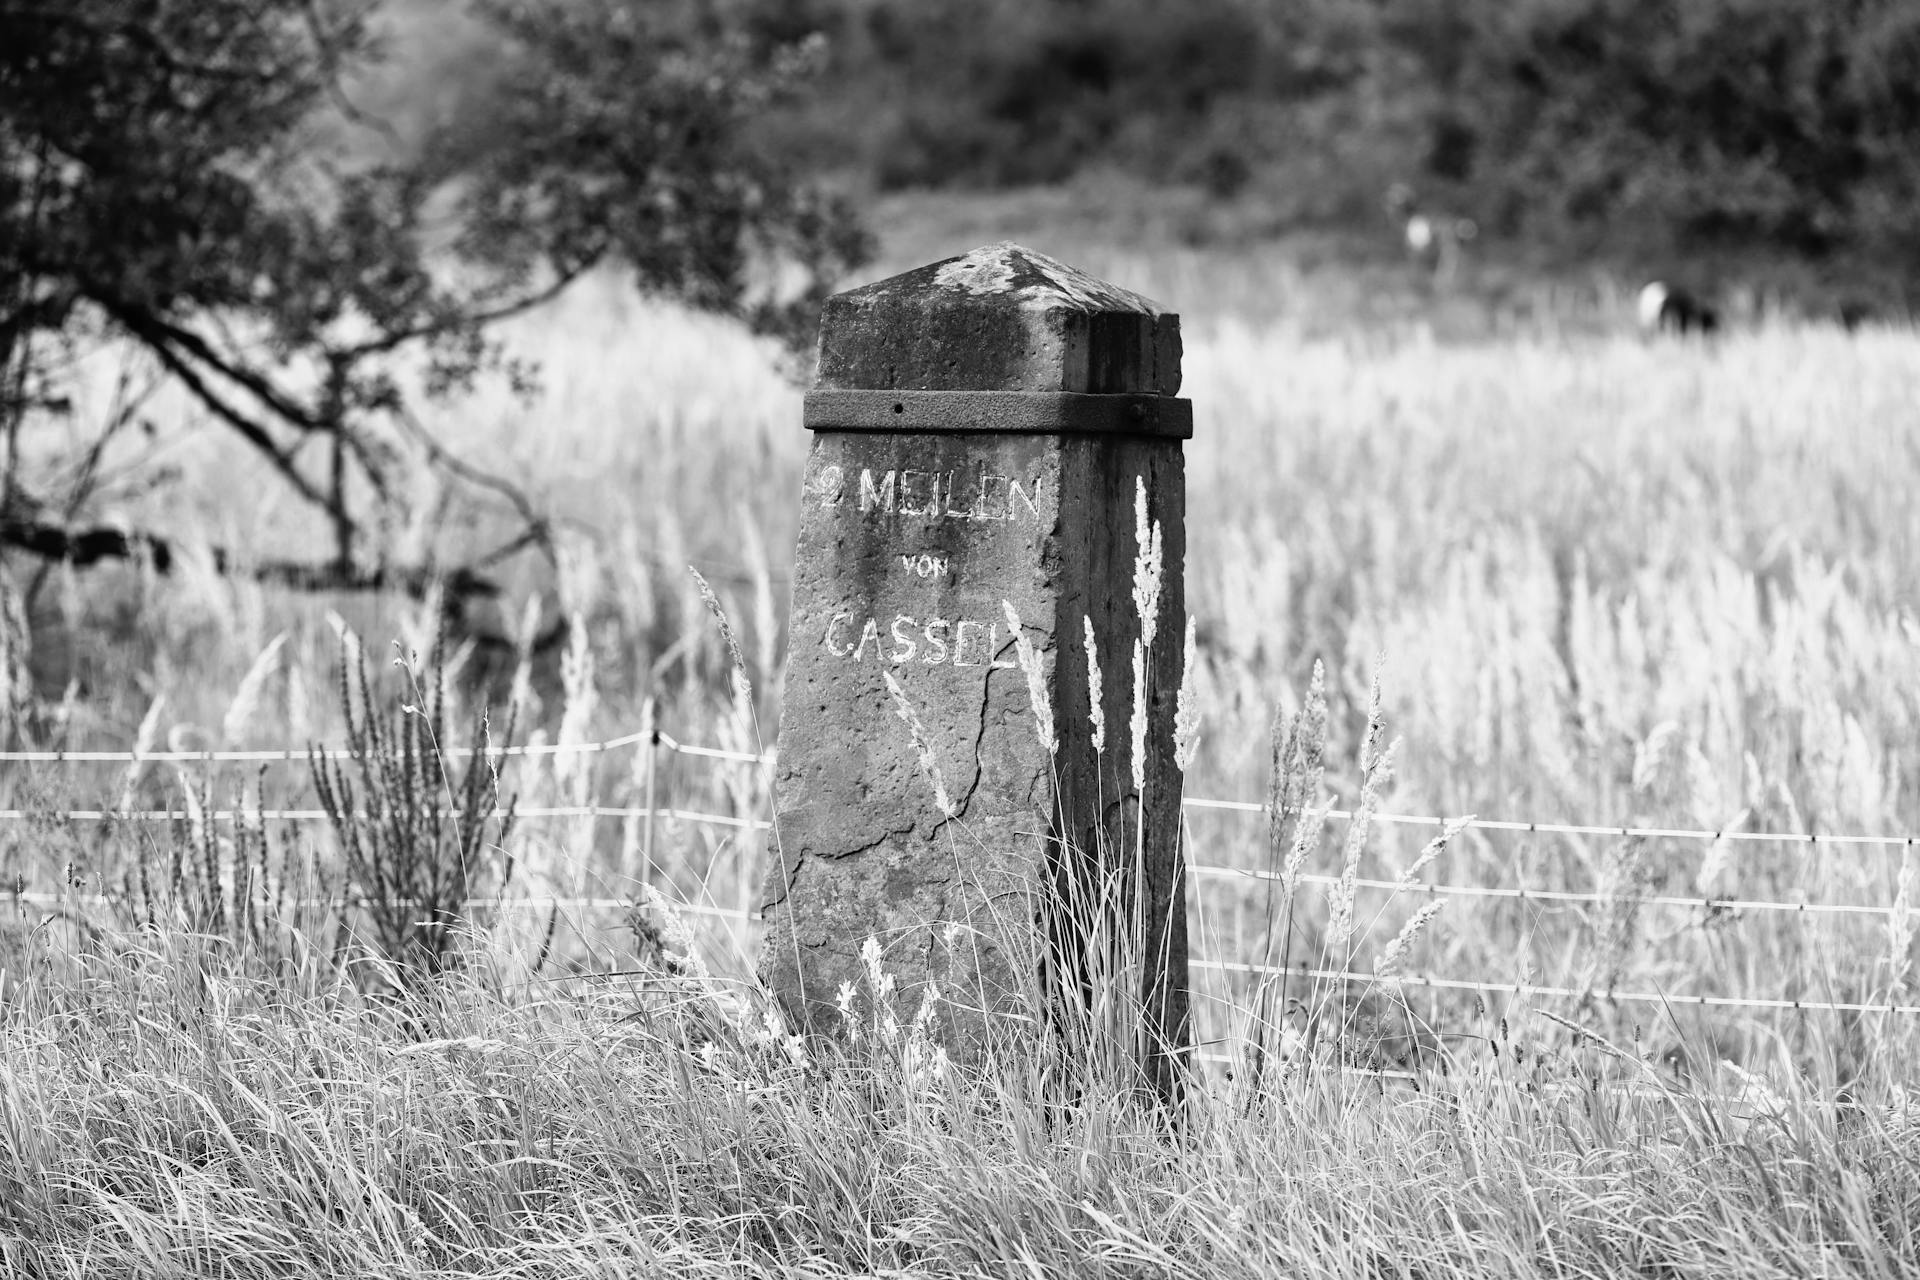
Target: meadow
x=1599, y=580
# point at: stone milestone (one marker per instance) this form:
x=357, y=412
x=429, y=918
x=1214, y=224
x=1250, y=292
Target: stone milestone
x=980, y=430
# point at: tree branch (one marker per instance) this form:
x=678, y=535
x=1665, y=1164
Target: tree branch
x=90, y=546
x=332, y=78
x=397, y=338
x=48, y=311
x=538, y=527
x=147, y=325
x=158, y=341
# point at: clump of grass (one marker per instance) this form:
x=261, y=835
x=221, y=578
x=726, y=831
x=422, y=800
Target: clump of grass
x=1293, y=833
x=232, y=882
x=418, y=837
x=1376, y=773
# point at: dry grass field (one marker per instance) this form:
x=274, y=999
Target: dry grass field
x=1600, y=581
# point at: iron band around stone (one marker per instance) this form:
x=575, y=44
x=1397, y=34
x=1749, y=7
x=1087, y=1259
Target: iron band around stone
x=1014, y=412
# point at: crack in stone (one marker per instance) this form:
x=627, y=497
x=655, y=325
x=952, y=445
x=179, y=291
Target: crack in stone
x=871, y=845
x=980, y=733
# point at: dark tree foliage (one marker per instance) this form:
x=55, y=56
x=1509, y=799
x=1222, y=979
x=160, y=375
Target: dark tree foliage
x=970, y=93
x=192, y=175
x=1789, y=123
x=617, y=130
x=1010, y=91
x=1759, y=124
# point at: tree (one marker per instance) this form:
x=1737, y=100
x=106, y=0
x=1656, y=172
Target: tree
x=1791, y=124
x=193, y=176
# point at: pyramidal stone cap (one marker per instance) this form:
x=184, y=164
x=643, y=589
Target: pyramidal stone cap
x=1000, y=318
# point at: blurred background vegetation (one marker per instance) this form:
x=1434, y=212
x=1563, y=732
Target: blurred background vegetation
x=1659, y=132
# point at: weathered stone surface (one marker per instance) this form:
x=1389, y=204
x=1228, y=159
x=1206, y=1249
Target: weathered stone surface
x=1002, y=318
x=910, y=542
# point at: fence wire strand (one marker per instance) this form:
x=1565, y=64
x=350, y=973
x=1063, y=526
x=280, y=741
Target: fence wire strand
x=318, y=815
x=1420, y=887
x=290, y=754
x=1572, y=828
x=1535, y=990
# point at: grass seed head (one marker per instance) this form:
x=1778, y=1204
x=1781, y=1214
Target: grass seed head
x=879, y=981
x=1096, y=707
x=1036, y=680
x=1719, y=857
x=250, y=697
x=1432, y=850
x=146, y=739
x=734, y=655
x=1389, y=962
x=1900, y=921
x=574, y=770
x=1376, y=772
x=1139, y=724
x=678, y=933
x=1306, y=838
x=16, y=651
x=522, y=699
x=1299, y=749
x=1186, y=716
x=922, y=744
x=1146, y=565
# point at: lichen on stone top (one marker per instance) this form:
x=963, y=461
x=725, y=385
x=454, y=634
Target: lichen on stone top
x=1022, y=276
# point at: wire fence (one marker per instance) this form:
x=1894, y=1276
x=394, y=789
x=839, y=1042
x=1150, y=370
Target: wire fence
x=1667, y=999
x=1575, y=828
x=303, y=754
x=656, y=741
x=666, y=742
x=1521, y=894
x=321, y=815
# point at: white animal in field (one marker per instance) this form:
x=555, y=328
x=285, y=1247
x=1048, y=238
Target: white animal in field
x=1432, y=239
x=1666, y=308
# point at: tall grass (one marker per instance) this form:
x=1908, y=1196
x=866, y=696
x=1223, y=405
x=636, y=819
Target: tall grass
x=1612, y=581
x=202, y=1120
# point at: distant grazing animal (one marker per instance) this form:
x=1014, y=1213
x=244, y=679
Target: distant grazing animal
x=1666, y=308
x=1854, y=312
x=1432, y=239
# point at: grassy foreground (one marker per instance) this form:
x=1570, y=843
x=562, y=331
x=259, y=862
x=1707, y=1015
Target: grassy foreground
x=1611, y=581
x=168, y=1114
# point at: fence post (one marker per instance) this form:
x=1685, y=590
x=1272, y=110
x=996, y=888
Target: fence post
x=979, y=429
x=652, y=748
